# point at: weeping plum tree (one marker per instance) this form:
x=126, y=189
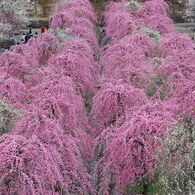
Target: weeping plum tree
x=57, y=99
x=182, y=94
x=112, y=7
x=77, y=18
x=126, y=151
x=85, y=33
x=4, y=29
x=160, y=23
x=175, y=42
x=123, y=21
x=77, y=3
x=69, y=149
x=79, y=65
x=52, y=153
x=13, y=91
x=179, y=65
x=62, y=20
x=49, y=149
x=80, y=8
x=83, y=12
x=150, y=8
x=14, y=64
x=23, y=60
x=152, y=14
x=129, y=148
x=29, y=167
x=128, y=61
x=29, y=52
x=112, y=101
x=45, y=45
x=145, y=39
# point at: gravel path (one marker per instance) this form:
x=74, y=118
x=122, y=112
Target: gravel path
x=19, y=33
x=186, y=28
x=17, y=36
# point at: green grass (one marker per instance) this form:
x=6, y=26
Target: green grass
x=152, y=190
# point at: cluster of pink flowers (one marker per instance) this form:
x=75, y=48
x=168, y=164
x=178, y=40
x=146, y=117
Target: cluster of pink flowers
x=147, y=87
x=141, y=87
x=49, y=148
x=77, y=18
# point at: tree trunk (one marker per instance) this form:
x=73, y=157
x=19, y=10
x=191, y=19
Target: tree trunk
x=173, y=7
x=145, y=189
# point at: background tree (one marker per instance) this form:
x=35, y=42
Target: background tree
x=45, y=6
x=13, y=14
x=190, y=11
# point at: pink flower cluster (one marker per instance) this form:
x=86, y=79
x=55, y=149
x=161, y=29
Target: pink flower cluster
x=49, y=148
x=147, y=87
x=77, y=18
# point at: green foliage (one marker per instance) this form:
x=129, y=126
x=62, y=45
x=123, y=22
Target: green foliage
x=8, y=116
x=152, y=190
x=132, y=5
x=154, y=84
x=177, y=160
x=153, y=34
